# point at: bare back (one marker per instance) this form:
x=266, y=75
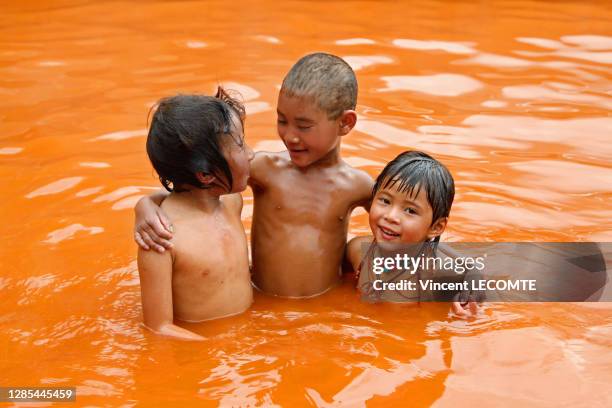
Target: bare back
x=300, y=222
x=210, y=272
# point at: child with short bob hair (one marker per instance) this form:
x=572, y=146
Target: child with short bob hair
x=196, y=145
x=411, y=202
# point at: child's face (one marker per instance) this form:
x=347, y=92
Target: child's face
x=398, y=218
x=238, y=155
x=305, y=129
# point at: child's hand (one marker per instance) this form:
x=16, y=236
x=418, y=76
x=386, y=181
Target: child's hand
x=152, y=227
x=464, y=310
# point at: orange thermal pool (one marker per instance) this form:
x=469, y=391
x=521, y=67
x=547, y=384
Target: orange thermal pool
x=514, y=96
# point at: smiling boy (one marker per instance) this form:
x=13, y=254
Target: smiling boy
x=303, y=197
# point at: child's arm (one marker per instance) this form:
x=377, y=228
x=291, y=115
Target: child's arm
x=152, y=228
x=363, y=189
x=354, y=252
x=258, y=169
x=156, y=288
x=233, y=202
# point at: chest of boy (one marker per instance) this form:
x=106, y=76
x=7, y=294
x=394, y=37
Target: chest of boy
x=325, y=205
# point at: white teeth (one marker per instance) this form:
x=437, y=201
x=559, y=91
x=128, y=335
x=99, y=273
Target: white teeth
x=387, y=232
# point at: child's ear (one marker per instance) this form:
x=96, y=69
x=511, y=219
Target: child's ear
x=205, y=179
x=437, y=228
x=347, y=121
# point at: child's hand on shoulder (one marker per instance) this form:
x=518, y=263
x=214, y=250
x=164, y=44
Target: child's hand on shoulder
x=152, y=228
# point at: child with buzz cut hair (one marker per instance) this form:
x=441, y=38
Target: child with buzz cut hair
x=329, y=80
x=303, y=197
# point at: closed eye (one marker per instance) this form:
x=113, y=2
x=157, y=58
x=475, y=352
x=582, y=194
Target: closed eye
x=383, y=200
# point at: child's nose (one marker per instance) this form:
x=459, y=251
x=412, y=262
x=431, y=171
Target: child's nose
x=392, y=215
x=292, y=137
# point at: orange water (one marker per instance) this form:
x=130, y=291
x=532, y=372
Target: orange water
x=513, y=96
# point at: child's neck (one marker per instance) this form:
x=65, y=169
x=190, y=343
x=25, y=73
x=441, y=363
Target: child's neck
x=332, y=158
x=206, y=200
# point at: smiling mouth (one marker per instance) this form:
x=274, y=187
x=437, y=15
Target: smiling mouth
x=387, y=233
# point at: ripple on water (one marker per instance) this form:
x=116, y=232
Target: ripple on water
x=590, y=42
x=254, y=107
x=496, y=61
x=89, y=191
x=268, y=39
x=55, y=187
x=437, y=84
x=247, y=92
x=526, y=366
x=95, y=165
x=541, y=42
x=232, y=382
x=538, y=92
x=431, y=45
x=383, y=381
x=68, y=232
x=122, y=135
x=196, y=44
x=578, y=177
x=355, y=41
x=10, y=150
x=117, y=194
x=358, y=62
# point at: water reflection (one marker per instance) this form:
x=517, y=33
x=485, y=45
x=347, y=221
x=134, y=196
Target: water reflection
x=521, y=117
x=11, y=150
x=450, y=47
x=68, y=232
x=358, y=62
x=355, y=41
x=438, y=84
x=56, y=187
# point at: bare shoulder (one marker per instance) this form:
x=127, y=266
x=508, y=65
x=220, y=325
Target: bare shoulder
x=355, y=250
x=358, y=241
x=152, y=262
x=263, y=165
x=233, y=202
x=359, y=183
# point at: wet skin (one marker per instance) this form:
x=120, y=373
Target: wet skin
x=398, y=218
x=205, y=273
x=303, y=198
x=300, y=222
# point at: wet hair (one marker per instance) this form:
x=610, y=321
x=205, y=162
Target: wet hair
x=328, y=79
x=414, y=170
x=186, y=137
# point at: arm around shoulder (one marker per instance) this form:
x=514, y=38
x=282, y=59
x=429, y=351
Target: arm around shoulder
x=233, y=201
x=354, y=251
x=259, y=169
x=152, y=227
x=363, y=189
